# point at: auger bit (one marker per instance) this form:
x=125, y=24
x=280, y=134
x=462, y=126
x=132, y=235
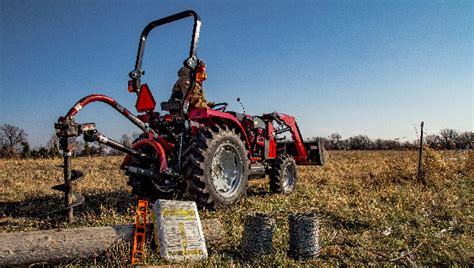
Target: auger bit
x=65, y=130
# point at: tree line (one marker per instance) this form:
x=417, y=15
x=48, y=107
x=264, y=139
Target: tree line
x=14, y=143
x=446, y=139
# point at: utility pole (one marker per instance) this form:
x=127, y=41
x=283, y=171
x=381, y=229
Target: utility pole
x=420, y=172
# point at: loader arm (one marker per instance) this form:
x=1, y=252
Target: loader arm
x=301, y=156
x=290, y=122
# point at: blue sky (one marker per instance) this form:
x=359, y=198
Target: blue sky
x=352, y=67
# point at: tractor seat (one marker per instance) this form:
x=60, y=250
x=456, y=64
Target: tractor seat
x=171, y=105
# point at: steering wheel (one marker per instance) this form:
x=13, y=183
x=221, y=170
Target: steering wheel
x=221, y=106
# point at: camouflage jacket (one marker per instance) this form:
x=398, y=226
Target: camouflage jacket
x=181, y=87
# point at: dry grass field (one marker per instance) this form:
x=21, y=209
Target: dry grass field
x=372, y=209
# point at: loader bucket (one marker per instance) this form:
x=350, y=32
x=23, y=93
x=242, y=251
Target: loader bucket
x=317, y=154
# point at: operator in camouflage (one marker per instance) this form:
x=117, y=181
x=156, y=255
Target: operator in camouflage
x=181, y=87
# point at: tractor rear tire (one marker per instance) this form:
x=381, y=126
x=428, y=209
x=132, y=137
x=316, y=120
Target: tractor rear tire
x=147, y=187
x=216, y=166
x=283, y=174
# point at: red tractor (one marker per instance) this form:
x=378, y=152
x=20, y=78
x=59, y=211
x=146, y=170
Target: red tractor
x=206, y=154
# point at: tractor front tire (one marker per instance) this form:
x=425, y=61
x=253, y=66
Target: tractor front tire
x=283, y=174
x=216, y=167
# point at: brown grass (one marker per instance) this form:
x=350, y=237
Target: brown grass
x=372, y=208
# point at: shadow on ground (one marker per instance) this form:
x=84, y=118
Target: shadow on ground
x=258, y=188
x=50, y=209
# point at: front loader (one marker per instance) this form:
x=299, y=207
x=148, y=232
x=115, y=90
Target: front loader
x=207, y=155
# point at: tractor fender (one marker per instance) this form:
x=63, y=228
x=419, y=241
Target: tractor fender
x=207, y=116
x=160, y=152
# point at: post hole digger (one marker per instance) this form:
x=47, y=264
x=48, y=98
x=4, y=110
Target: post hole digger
x=206, y=154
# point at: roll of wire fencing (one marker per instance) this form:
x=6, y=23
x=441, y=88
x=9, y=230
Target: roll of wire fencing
x=258, y=235
x=304, y=236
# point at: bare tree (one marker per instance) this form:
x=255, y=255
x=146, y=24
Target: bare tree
x=53, y=141
x=53, y=146
x=26, y=150
x=335, y=141
x=448, y=138
x=433, y=140
x=78, y=144
x=380, y=144
x=360, y=142
x=465, y=140
x=126, y=140
x=136, y=135
x=12, y=139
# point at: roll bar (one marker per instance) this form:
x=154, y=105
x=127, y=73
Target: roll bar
x=191, y=62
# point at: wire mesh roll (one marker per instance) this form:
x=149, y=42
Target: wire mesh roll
x=258, y=235
x=304, y=236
